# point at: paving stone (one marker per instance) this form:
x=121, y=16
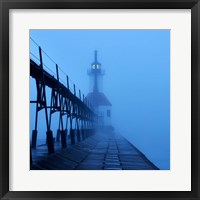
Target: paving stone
x=112, y=163
x=112, y=168
x=98, y=152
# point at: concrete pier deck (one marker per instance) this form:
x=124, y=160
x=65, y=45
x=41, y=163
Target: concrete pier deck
x=98, y=152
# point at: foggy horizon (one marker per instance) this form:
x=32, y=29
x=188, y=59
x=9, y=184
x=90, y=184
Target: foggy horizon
x=136, y=80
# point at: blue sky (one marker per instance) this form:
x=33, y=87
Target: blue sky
x=136, y=81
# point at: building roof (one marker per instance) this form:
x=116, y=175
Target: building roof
x=98, y=99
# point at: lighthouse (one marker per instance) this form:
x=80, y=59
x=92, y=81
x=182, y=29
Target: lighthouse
x=96, y=97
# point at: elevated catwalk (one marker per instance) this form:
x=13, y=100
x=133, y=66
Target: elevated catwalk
x=78, y=146
x=98, y=152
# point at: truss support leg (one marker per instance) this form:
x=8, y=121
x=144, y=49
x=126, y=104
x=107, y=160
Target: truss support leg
x=78, y=135
x=83, y=135
x=58, y=136
x=63, y=138
x=66, y=135
x=31, y=160
x=34, y=139
x=50, y=142
x=72, y=136
x=87, y=133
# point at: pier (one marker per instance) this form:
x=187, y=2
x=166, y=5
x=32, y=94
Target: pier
x=84, y=139
x=98, y=152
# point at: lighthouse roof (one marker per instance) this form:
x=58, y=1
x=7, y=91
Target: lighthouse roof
x=98, y=99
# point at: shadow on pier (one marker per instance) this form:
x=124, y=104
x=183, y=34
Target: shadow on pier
x=100, y=151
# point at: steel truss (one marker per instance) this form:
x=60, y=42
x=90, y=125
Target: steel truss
x=80, y=118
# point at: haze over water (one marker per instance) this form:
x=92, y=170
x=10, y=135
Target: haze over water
x=136, y=81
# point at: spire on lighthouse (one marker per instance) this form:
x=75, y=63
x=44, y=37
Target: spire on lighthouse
x=96, y=75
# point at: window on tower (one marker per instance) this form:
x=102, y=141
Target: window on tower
x=108, y=113
x=95, y=66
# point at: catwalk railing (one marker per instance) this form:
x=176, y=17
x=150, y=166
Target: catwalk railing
x=65, y=99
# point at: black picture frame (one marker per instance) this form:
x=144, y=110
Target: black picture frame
x=5, y=5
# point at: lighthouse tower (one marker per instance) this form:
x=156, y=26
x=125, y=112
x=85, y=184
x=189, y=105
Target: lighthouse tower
x=96, y=97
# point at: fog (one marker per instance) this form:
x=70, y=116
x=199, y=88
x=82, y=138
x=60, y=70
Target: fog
x=136, y=80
